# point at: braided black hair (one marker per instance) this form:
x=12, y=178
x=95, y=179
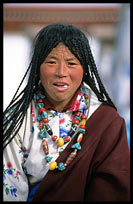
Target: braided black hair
x=47, y=39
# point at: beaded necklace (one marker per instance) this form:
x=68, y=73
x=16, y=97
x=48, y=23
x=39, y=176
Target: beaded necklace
x=78, y=127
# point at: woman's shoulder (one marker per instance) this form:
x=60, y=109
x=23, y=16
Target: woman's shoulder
x=99, y=107
x=93, y=100
x=107, y=115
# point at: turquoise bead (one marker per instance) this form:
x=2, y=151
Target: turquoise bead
x=84, y=90
x=41, y=96
x=61, y=167
x=40, y=105
x=39, y=118
x=40, y=87
x=42, y=134
x=48, y=158
x=81, y=130
x=37, y=97
x=77, y=118
x=61, y=149
x=44, y=114
x=76, y=146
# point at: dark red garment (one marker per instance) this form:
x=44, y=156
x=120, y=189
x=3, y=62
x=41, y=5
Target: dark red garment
x=100, y=171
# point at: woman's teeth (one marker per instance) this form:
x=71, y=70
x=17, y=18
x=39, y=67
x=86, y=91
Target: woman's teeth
x=64, y=85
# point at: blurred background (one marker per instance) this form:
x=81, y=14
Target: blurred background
x=108, y=30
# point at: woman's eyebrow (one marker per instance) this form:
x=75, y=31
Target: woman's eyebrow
x=68, y=59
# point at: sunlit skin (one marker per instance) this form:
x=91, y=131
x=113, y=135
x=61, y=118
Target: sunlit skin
x=61, y=75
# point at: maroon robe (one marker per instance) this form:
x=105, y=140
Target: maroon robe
x=101, y=169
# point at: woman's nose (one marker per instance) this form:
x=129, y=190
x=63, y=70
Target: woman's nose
x=62, y=70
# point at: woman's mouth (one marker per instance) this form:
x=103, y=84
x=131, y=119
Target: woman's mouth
x=60, y=86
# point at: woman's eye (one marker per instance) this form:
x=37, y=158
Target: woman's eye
x=71, y=63
x=51, y=62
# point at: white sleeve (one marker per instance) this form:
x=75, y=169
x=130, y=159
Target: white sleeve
x=15, y=182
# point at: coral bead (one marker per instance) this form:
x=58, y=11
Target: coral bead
x=42, y=109
x=86, y=96
x=83, y=116
x=76, y=122
x=40, y=100
x=39, y=92
x=82, y=126
x=53, y=165
x=45, y=120
x=67, y=138
x=54, y=138
x=60, y=142
x=78, y=114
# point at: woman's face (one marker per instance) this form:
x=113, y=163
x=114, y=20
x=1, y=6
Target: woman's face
x=61, y=74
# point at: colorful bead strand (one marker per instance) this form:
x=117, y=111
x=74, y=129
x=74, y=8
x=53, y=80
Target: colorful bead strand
x=78, y=127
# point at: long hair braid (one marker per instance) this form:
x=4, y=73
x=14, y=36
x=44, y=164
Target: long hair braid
x=91, y=75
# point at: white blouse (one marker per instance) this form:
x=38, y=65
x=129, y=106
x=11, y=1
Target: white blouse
x=23, y=158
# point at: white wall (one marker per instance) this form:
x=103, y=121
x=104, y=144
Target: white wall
x=16, y=61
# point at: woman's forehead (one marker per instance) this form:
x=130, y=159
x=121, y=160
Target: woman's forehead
x=61, y=49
